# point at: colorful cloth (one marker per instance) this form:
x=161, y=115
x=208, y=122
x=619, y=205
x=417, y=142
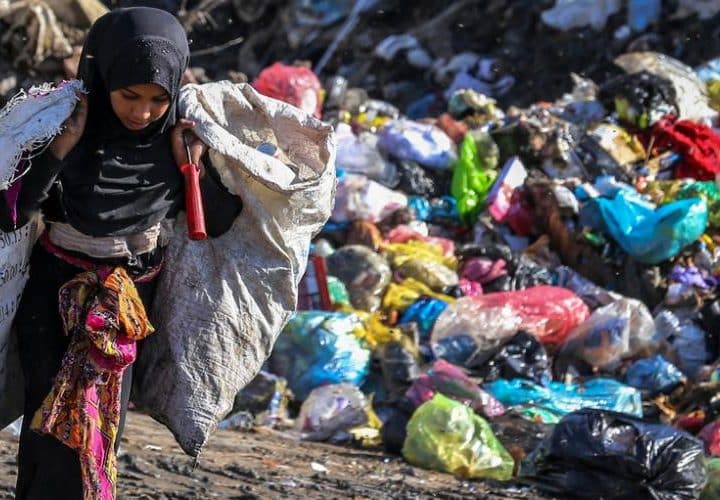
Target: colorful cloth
x=105, y=317
x=697, y=143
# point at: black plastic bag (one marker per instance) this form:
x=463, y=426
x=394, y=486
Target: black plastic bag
x=602, y=454
x=399, y=367
x=523, y=356
x=415, y=180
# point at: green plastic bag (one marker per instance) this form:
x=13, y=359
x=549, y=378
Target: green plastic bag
x=708, y=191
x=474, y=174
x=448, y=436
x=712, y=488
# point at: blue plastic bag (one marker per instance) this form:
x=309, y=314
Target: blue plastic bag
x=421, y=206
x=424, y=313
x=419, y=142
x=642, y=13
x=561, y=398
x=650, y=235
x=318, y=348
x=654, y=375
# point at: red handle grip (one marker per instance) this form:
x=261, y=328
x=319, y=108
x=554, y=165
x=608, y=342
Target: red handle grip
x=193, y=202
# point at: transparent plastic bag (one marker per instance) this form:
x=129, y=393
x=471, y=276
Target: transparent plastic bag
x=330, y=410
x=613, y=332
x=549, y=313
x=679, y=329
x=365, y=274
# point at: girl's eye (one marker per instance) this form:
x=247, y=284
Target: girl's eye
x=161, y=99
x=129, y=97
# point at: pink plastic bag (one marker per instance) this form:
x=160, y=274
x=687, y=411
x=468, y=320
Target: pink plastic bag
x=451, y=381
x=548, y=312
x=295, y=85
x=404, y=233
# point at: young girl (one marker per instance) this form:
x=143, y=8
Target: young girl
x=107, y=187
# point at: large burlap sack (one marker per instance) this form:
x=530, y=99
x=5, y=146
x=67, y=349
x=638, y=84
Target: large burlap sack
x=221, y=303
x=27, y=122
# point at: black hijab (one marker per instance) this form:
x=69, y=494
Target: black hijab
x=128, y=47
x=118, y=181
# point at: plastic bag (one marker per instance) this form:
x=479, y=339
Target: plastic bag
x=424, y=312
x=420, y=142
x=520, y=357
x=709, y=192
x=414, y=180
x=613, y=332
x=570, y=14
x=448, y=436
x=549, y=313
x=473, y=175
x=433, y=274
x=643, y=13
x=363, y=232
x=430, y=250
x=601, y=454
x=679, y=329
x=212, y=335
x=640, y=99
x=561, y=398
x=712, y=489
x=359, y=198
x=593, y=295
x=359, y=155
x=295, y=85
x=710, y=436
x=365, y=274
x=692, y=102
x=482, y=270
x=318, y=348
x=330, y=410
x=654, y=375
x=652, y=235
x=399, y=366
x=400, y=296
x=266, y=397
x=451, y=381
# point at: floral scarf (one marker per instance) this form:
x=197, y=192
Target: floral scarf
x=105, y=316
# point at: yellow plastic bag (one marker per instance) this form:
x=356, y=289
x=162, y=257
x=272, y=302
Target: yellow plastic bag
x=399, y=253
x=400, y=296
x=447, y=436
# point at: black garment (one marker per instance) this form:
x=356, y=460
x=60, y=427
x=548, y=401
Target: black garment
x=117, y=181
x=47, y=468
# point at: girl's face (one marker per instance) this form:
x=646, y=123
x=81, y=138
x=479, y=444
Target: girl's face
x=137, y=106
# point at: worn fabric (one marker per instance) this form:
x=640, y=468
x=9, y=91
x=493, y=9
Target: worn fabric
x=697, y=143
x=105, y=317
x=48, y=469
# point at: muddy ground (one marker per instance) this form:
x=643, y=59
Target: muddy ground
x=266, y=464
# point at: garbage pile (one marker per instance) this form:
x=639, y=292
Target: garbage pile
x=512, y=286
x=489, y=273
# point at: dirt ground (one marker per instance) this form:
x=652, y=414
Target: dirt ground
x=265, y=464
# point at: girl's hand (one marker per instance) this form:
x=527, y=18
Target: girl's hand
x=73, y=129
x=197, y=146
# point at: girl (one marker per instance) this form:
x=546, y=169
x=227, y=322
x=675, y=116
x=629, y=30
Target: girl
x=108, y=187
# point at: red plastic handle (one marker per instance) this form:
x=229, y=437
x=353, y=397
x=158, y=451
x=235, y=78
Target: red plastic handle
x=193, y=202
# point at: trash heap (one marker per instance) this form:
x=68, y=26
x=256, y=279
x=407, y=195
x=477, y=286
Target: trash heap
x=509, y=288
x=524, y=294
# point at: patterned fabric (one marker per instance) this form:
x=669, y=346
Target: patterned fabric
x=105, y=317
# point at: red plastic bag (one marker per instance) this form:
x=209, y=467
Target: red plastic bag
x=710, y=435
x=295, y=85
x=697, y=143
x=549, y=313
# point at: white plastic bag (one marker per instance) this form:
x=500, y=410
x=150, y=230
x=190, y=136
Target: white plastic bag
x=221, y=303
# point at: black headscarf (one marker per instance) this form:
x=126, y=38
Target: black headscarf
x=129, y=47
x=118, y=181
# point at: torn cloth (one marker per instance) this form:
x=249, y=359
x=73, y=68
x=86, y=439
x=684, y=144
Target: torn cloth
x=106, y=317
x=697, y=143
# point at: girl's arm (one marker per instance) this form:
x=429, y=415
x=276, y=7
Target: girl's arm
x=221, y=207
